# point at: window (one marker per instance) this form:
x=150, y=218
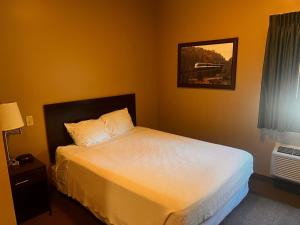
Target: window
x=280, y=98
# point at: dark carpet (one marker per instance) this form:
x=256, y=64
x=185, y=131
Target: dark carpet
x=257, y=210
x=254, y=210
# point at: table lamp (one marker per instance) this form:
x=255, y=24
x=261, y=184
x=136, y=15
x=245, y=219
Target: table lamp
x=10, y=123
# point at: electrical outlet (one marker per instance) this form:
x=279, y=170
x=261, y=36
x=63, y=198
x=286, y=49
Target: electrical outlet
x=29, y=121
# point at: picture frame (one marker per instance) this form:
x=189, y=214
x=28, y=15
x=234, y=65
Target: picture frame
x=208, y=64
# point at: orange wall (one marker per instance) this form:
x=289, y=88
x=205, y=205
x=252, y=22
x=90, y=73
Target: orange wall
x=219, y=116
x=7, y=213
x=62, y=50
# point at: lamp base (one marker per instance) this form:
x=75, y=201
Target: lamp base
x=13, y=162
x=10, y=160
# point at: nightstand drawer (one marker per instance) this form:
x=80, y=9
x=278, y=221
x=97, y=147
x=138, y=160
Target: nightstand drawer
x=28, y=178
x=29, y=189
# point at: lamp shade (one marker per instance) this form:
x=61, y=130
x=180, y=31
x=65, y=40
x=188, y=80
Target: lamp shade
x=10, y=117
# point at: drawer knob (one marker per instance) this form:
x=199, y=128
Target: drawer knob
x=21, y=182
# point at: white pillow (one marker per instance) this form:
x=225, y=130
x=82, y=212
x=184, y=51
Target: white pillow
x=88, y=132
x=117, y=122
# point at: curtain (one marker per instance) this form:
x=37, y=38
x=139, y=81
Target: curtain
x=279, y=107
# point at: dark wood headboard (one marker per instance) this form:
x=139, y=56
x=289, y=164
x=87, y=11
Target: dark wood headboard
x=71, y=112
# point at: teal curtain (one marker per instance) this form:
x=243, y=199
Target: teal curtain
x=280, y=95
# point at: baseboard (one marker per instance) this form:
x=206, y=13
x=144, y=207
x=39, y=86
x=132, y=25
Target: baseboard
x=260, y=177
x=278, y=183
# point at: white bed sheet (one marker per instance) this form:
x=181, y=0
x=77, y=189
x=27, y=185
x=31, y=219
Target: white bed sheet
x=148, y=177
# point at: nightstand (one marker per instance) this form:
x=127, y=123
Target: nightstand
x=29, y=189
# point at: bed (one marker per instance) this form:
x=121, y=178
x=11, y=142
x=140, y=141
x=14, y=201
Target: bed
x=145, y=177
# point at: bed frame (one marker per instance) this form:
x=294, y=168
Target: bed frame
x=71, y=112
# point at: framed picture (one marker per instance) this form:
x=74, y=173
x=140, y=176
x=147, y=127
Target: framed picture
x=207, y=64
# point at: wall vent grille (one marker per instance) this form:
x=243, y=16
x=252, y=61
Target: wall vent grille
x=286, y=163
x=289, y=151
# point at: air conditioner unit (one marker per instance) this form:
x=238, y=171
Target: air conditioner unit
x=286, y=162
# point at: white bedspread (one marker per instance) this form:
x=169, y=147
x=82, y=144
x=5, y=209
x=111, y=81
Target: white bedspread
x=148, y=177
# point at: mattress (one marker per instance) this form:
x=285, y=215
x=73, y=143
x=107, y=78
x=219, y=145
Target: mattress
x=149, y=177
x=219, y=216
